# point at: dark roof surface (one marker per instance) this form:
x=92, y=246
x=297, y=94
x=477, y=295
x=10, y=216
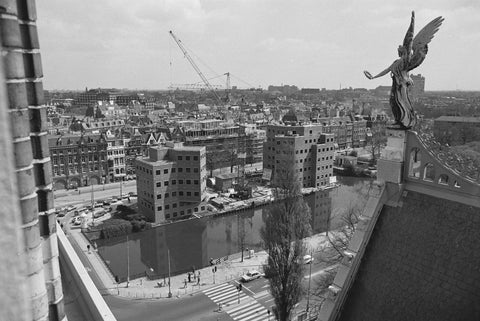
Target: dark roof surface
x=422, y=263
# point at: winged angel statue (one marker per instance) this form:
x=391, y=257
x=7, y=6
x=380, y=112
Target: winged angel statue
x=411, y=53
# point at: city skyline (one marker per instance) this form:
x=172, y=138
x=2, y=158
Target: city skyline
x=119, y=44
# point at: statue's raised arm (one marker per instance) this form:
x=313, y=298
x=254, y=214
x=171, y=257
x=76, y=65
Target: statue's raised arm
x=411, y=54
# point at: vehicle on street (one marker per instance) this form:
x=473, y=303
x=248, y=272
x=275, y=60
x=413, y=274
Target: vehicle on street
x=99, y=213
x=251, y=275
x=307, y=259
x=70, y=208
x=76, y=220
x=132, y=194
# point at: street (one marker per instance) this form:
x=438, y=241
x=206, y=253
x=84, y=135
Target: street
x=84, y=194
x=253, y=303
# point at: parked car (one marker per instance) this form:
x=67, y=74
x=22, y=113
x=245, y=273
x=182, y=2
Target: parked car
x=99, y=213
x=307, y=259
x=251, y=275
x=76, y=220
x=70, y=208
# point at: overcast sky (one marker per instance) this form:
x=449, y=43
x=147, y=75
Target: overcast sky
x=312, y=43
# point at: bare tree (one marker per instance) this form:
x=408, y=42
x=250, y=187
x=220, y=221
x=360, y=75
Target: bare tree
x=340, y=238
x=286, y=225
x=378, y=140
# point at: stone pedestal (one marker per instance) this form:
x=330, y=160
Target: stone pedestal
x=390, y=164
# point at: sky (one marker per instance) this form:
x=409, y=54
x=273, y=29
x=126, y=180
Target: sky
x=307, y=43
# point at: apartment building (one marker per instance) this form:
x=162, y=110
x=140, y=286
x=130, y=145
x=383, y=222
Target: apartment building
x=348, y=131
x=78, y=160
x=116, y=157
x=222, y=140
x=171, y=182
x=303, y=148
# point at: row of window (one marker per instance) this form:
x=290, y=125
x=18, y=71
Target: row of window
x=187, y=158
x=180, y=182
x=179, y=170
x=180, y=193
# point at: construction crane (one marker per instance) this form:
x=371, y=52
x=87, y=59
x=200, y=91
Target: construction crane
x=194, y=65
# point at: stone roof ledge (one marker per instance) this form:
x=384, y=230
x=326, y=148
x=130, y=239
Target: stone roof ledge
x=347, y=270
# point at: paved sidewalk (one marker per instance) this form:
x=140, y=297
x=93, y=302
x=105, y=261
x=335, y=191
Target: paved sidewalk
x=142, y=288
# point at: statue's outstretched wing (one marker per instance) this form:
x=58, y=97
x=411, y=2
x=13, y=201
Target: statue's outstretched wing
x=421, y=41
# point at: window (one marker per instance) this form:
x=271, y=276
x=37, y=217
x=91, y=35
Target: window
x=174, y=214
x=174, y=170
x=166, y=195
x=174, y=194
x=167, y=207
x=197, y=194
x=195, y=182
x=195, y=158
x=179, y=158
x=159, y=196
x=180, y=181
x=157, y=172
x=167, y=215
x=159, y=184
x=174, y=182
x=189, y=182
x=180, y=170
x=165, y=171
x=203, y=208
x=187, y=158
x=159, y=208
x=188, y=169
x=189, y=193
x=165, y=183
x=195, y=170
x=180, y=193
x=195, y=209
x=182, y=213
x=174, y=205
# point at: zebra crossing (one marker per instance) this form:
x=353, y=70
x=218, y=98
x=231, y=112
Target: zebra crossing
x=227, y=295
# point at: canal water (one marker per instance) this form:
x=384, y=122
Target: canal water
x=192, y=243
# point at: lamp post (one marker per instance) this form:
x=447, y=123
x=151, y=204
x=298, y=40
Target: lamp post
x=128, y=263
x=169, y=290
x=309, y=279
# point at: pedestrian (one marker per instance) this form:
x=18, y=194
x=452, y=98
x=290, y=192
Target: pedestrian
x=185, y=283
x=198, y=280
x=189, y=277
x=88, y=248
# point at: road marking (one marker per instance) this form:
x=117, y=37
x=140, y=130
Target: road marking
x=238, y=312
x=245, y=288
x=269, y=300
x=248, y=310
x=266, y=285
x=222, y=292
x=241, y=306
x=249, y=314
x=217, y=288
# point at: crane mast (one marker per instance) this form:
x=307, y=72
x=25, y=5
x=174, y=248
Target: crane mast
x=194, y=65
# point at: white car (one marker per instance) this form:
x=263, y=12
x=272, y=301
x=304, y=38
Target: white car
x=307, y=259
x=251, y=275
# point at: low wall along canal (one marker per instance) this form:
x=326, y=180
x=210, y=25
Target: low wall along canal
x=194, y=242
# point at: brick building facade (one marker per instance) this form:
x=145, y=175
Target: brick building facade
x=78, y=160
